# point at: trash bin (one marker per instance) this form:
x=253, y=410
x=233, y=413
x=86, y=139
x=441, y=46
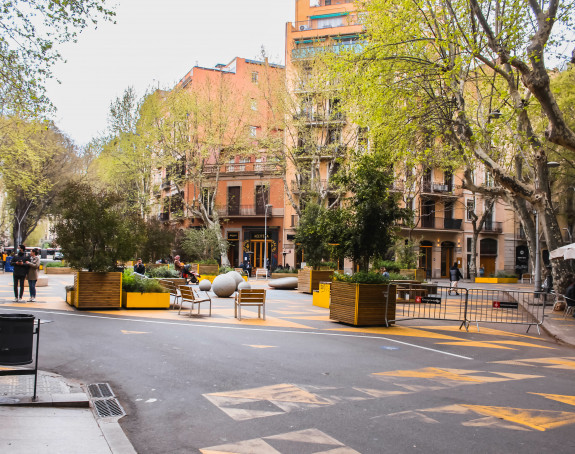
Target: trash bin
x=8, y=267
x=16, y=339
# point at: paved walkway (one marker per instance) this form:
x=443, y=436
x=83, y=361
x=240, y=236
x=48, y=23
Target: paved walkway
x=62, y=419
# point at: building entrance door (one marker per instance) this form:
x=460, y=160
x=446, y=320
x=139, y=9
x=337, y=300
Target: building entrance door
x=425, y=259
x=257, y=247
x=447, y=260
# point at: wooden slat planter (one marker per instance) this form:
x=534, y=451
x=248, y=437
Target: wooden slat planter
x=416, y=274
x=136, y=300
x=208, y=269
x=58, y=270
x=280, y=275
x=97, y=290
x=308, y=280
x=361, y=304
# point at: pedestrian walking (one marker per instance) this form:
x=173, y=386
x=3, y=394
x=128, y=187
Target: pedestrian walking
x=454, y=276
x=33, y=271
x=20, y=263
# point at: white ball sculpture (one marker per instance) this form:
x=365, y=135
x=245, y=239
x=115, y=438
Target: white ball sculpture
x=224, y=286
x=205, y=285
x=243, y=284
x=237, y=277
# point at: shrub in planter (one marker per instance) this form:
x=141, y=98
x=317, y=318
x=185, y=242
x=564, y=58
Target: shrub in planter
x=163, y=272
x=132, y=283
x=361, y=277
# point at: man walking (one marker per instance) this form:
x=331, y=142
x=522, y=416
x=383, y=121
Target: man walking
x=454, y=276
x=20, y=263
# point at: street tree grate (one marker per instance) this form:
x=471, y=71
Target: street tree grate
x=100, y=390
x=107, y=408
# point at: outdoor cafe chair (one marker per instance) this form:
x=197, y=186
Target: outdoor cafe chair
x=192, y=296
x=250, y=297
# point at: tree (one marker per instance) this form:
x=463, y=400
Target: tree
x=158, y=243
x=204, y=244
x=93, y=229
x=472, y=76
x=29, y=37
x=36, y=160
x=311, y=235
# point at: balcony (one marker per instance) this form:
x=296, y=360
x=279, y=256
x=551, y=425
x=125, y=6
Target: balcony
x=436, y=223
x=316, y=3
x=320, y=23
x=230, y=211
x=493, y=227
x=316, y=119
x=248, y=168
x=312, y=51
x=436, y=188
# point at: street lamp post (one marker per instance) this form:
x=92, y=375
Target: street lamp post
x=266, y=237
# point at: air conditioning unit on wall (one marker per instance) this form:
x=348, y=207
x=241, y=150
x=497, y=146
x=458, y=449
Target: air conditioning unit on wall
x=303, y=28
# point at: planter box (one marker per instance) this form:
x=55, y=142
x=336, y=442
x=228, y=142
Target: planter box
x=321, y=296
x=362, y=304
x=415, y=274
x=280, y=275
x=70, y=296
x=136, y=300
x=208, y=269
x=496, y=280
x=308, y=280
x=97, y=290
x=176, y=280
x=58, y=270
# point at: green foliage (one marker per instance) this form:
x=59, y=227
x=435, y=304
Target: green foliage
x=57, y=264
x=311, y=234
x=407, y=254
x=398, y=277
x=162, y=272
x=93, y=230
x=30, y=34
x=390, y=265
x=225, y=269
x=504, y=274
x=158, y=243
x=204, y=245
x=137, y=284
x=361, y=277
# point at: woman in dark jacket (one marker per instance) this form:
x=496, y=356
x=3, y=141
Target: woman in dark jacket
x=20, y=263
x=454, y=276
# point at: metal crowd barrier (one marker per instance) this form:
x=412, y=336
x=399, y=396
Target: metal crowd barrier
x=435, y=302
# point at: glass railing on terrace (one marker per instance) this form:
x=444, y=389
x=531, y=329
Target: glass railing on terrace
x=309, y=52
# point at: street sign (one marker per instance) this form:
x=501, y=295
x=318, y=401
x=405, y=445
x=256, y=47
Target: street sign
x=428, y=300
x=505, y=305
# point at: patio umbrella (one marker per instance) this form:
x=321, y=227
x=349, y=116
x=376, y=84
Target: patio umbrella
x=564, y=252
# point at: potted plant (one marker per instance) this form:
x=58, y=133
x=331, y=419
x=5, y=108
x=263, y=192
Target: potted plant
x=95, y=233
x=143, y=293
x=364, y=298
x=500, y=277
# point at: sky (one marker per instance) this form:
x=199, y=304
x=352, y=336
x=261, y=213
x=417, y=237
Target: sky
x=154, y=43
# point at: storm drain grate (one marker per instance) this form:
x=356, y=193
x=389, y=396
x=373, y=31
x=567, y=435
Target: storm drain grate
x=107, y=408
x=100, y=390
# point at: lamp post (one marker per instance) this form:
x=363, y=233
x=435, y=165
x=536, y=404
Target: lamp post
x=537, y=280
x=266, y=237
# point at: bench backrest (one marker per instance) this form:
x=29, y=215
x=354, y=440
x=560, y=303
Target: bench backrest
x=251, y=296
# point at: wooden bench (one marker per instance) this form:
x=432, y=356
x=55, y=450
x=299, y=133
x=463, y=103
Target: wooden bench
x=250, y=297
x=172, y=288
x=191, y=295
x=261, y=272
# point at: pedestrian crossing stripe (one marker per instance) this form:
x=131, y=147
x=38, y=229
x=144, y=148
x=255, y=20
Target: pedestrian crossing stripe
x=570, y=400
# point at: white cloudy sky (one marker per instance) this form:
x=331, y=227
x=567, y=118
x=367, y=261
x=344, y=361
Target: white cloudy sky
x=154, y=43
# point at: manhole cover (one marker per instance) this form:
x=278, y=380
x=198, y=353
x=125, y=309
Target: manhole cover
x=106, y=408
x=100, y=390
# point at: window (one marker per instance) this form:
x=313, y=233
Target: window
x=488, y=178
x=253, y=131
x=255, y=77
x=254, y=104
x=469, y=209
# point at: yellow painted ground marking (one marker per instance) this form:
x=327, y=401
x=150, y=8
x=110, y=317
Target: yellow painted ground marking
x=379, y=393
x=489, y=331
x=553, y=363
x=522, y=344
x=312, y=317
x=493, y=423
x=570, y=400
x=243, y=447
x=397, y=331
x=289, y=312
x=134, y=332
x=464, y=343
x=280, y=393
x=260, y=346
x=535, y=419
x=431, y=372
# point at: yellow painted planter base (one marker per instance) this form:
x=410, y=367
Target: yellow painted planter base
x=321, y=296
x=496, y=280
x=146, y=300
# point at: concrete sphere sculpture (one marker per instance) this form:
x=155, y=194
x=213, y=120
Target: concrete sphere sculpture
x=284, y=283
x=205, y=285
x=237, y=277
x=244, y=284
x=224, y=286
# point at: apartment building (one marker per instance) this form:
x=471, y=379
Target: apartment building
x=246, y=189
x=443, y=210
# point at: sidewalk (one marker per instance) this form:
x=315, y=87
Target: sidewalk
x=562, y=329
x=61, y=420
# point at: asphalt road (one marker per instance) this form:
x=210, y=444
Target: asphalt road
x=310, y=385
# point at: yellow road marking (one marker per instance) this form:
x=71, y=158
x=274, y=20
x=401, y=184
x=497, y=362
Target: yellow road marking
x=570, y=400
x=553, y=363
x=522, y=344
x=540, y=420
x=431, y=372
x=281, y=393
x=134, y=332
x=464, y=343
x=484, y=330
x=397, y=331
